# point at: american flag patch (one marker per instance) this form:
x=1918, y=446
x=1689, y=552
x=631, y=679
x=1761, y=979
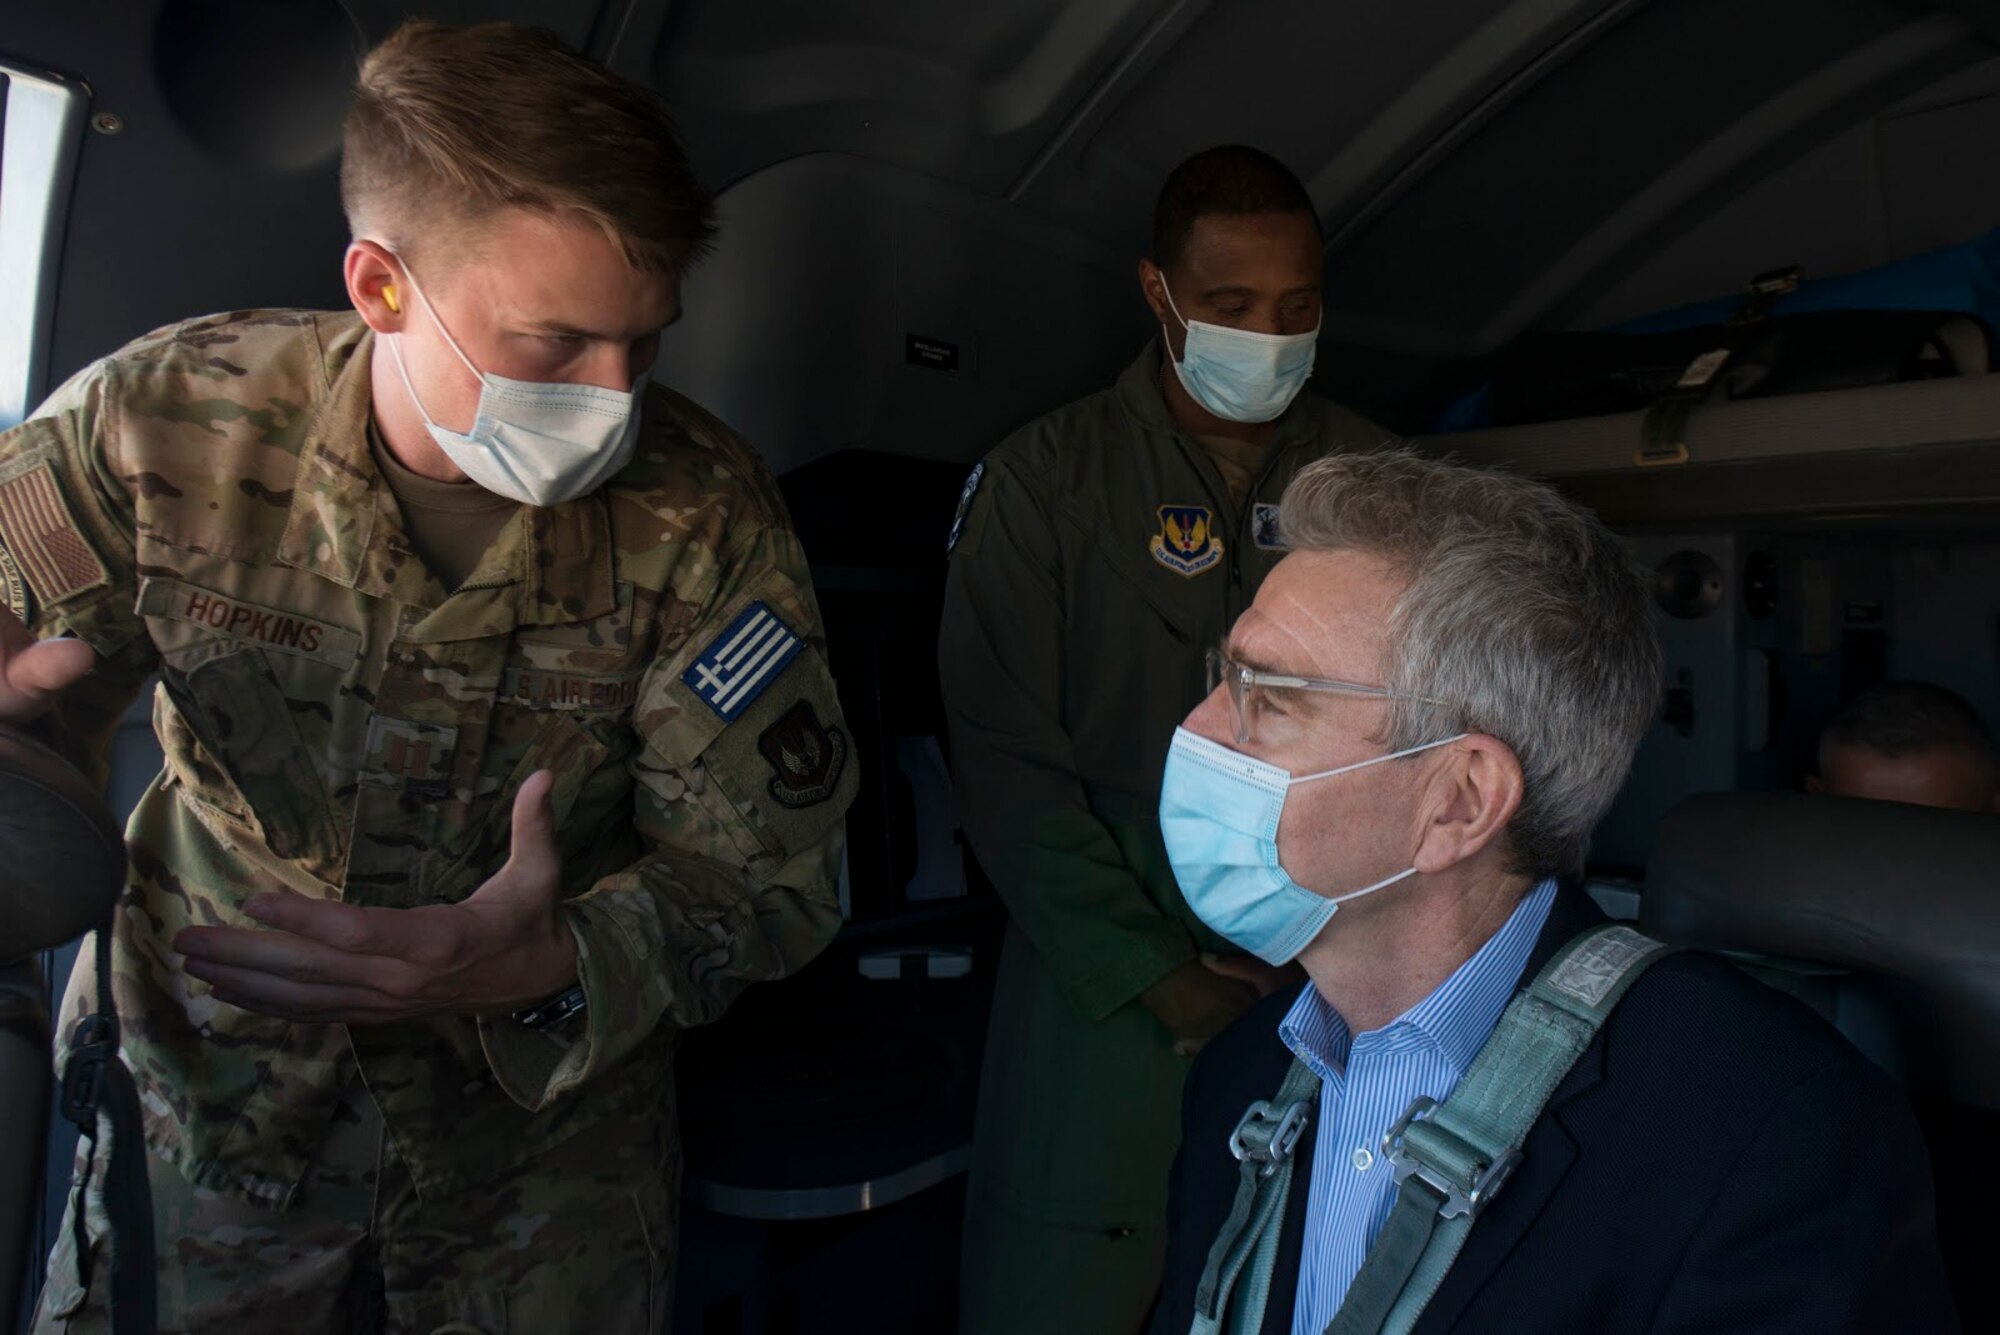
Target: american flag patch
x=38, y=531
x=748, y=656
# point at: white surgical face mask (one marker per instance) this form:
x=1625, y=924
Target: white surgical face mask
x=1238, y=375
x=533, y=441
x=1219, y=813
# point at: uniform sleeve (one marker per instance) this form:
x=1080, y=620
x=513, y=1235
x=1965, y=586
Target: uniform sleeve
x=67, y=564
x=741, y=785
x=1000, y=657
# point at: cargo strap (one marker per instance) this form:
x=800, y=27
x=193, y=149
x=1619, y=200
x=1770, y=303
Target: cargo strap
x=1450, y=1159
x=1663, y=433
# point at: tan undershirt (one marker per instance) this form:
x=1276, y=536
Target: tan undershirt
x=451, y=524
x=1238, y=461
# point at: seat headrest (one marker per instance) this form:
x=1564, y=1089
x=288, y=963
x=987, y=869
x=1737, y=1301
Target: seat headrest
x=1904, y=892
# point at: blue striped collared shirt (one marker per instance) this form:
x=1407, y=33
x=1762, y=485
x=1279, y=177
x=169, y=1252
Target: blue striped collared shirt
x=1367, y=1082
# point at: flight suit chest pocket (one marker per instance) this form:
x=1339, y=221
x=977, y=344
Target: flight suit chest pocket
x=229, y=735
x=1180, y=603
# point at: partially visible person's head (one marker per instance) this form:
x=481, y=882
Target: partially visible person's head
x=513, y=198
x=1910, y=741
x=1486, y=605
x=1236, y=243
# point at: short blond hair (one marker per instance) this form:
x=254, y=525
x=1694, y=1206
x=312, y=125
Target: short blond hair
x=449, y=125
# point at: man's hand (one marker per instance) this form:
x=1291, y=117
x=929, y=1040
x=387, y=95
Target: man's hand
x=1194, y=1004
x=33, y=673
x=503, y=948
x=1265, y=978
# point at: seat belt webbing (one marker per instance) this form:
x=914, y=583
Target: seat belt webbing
x=1452, y=1158
x=1246, y=1248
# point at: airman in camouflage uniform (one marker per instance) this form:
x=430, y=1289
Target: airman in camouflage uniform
x=205, y=504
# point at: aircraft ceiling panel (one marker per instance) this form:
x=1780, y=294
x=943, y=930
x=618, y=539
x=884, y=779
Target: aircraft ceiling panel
x=1297, y=80
x=1522, y=195
x=965, y=93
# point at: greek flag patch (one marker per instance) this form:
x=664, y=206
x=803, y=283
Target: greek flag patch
x=739, y=663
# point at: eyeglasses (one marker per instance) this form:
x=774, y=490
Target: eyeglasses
x=1248, y=687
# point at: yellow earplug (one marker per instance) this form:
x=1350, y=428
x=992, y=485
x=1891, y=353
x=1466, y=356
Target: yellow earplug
x=389, y=298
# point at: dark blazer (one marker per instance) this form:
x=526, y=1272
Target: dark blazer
x=1719, y=1159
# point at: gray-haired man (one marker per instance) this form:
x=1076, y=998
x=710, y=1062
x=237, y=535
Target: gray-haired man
x=1493, y=1110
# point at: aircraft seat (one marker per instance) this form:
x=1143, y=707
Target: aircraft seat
x=1886, y=918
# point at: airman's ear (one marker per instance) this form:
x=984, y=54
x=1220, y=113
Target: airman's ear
x=1815, y=785
x=375, y=285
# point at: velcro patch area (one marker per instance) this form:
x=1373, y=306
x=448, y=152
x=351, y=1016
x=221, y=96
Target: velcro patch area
x=42, y=537
x=742, y=661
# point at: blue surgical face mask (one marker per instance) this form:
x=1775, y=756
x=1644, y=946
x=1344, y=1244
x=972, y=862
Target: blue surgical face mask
x=1239, y=375
x=1219, y=812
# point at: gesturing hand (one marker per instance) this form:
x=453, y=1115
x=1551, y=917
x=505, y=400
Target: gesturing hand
x=502, y=948
x=33, y=673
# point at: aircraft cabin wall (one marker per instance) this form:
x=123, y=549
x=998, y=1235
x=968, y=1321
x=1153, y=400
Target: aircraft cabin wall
x=850, y=303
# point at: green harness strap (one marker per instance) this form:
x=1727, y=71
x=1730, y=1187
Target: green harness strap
x=1450, y=1159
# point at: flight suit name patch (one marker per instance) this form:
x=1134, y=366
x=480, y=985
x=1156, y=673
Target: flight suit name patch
x=287, y=632
x=806, y=756
x=539, y=688
x=1187, y=543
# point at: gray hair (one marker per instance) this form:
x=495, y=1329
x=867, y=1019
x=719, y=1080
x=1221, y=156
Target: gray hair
x=1523, y=613
x=1899, y=717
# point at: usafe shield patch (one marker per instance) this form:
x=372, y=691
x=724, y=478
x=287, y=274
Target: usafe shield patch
x=1187, y=543
x=805, y=756
x=41, y=536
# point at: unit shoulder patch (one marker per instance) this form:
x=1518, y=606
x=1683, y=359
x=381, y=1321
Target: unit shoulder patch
x=19, y=602
x=972, y=482
x=742, y=661
x=1264, y=529
x=1187, y=542
x=805, y=755
x=45, y=545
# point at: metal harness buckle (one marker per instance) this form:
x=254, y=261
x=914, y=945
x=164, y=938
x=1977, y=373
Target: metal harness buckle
x=1458, y=1199
x=1269, y=1151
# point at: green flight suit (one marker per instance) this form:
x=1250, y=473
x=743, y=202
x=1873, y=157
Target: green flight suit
x=1096, y=558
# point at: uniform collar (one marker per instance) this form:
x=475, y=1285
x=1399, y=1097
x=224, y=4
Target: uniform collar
x=548, y=565
x=1140, y=393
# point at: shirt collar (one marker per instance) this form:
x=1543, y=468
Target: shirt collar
x=1456, y=1018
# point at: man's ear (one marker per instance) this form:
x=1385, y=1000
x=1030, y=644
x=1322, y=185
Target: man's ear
x=376, y=286
x=1153, y=287
x=1815, y=785
x=1469, y=802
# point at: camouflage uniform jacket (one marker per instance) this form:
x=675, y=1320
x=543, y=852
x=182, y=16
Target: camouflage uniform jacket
x=204, y=504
